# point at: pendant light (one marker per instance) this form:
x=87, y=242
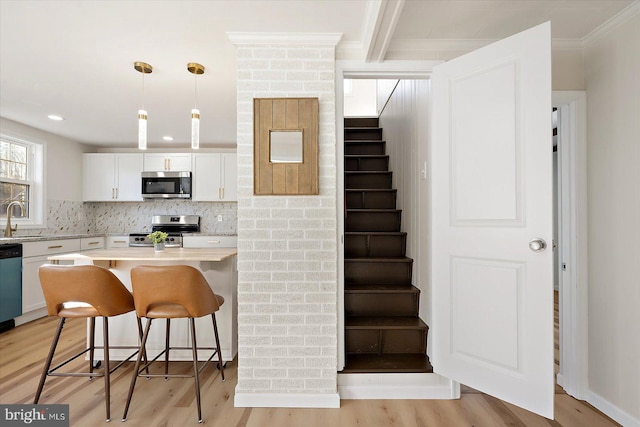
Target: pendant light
x=143, y=68
x=195, y=69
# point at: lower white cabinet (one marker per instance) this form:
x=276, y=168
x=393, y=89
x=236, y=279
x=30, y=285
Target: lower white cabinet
x=91, y=243
x=34, y=255
x=209, y=241
x=117, y=242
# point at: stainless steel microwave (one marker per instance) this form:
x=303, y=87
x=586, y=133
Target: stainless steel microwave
x=166, y=185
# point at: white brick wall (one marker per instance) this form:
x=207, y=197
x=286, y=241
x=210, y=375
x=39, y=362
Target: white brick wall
x=287, y=269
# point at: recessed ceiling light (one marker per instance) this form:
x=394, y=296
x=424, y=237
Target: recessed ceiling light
x=167, y=138
x=55, y=117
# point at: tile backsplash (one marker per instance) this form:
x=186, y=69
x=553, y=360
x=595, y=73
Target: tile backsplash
x=72, y=217
x=131, y=217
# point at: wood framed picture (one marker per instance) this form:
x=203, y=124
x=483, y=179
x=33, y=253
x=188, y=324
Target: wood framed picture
x=285, y=146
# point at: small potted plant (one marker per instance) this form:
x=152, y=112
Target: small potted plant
x=158, y=238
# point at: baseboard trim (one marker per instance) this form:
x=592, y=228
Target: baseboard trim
x=611, y=410
x=31, y=316
x=395, y=386
x=286, y=400
x=560, y=380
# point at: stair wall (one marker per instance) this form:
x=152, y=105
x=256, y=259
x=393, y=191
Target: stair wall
x=405, y=121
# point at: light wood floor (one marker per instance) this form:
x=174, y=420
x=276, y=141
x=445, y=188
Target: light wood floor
x=172, y=403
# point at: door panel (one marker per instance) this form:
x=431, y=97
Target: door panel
x=492, y=194
x=473, y=183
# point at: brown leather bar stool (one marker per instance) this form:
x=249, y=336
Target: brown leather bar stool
x=171, y=292
x=84, y=291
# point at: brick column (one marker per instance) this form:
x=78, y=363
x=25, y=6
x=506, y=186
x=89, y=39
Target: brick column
x=287, y=245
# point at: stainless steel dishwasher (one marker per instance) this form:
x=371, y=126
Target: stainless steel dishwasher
x=10, y=284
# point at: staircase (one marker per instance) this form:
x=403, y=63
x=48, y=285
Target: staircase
x=383, y=331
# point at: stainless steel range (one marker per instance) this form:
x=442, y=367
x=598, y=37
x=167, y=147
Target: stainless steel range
x=174, y=225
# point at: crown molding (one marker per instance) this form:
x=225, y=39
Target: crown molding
x=241, y=38
x=437, y=45
x=464, y=45
x=350, y=50
x=566, y=44
x=617, y=20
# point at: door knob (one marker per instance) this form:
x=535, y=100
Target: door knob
x=537, y=245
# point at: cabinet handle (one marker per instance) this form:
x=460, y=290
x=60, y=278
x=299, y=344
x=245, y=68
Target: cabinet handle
x=218, y=192
x=54, y=247
x=223, y=192
x=119, y=241
x=169, y=162
x=93, y=243
x=213, y=241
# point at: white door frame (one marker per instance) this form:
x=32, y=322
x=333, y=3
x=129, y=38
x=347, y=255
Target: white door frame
x=370, y=70
x=572, y=240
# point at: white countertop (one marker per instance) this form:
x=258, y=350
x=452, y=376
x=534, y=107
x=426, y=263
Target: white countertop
x=149, y=254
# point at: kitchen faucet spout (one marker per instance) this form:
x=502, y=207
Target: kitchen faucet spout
x=8, y=231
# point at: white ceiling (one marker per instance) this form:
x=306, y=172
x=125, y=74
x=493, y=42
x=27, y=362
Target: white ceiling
x=75, y=58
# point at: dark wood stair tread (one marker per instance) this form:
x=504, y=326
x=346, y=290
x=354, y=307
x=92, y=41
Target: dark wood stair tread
x=354, y=128
x=359, y=190
x=367, y=172
x=366, y=156
x=363, y=141
x=380, y=259
x=387, y=363
x=372, y=210
x=384, y=322
x=362, y=288
x=375, y=233
x=361, y=122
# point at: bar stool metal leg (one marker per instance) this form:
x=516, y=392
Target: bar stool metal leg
x=215, y=333
x=166, y=349
x=196, y=375
x=107, y=373
x=47, y=364
x=140, y=334
x=92, y=339
x=137, y=368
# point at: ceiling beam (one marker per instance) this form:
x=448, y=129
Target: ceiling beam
x=379, y=25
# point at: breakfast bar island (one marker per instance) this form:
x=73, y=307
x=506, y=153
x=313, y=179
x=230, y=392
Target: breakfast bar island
x=218, y=266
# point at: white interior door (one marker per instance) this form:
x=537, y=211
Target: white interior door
x=492, y=196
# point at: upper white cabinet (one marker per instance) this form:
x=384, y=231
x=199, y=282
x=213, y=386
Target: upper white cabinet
x=161, y=162
x=215, y=177
x=111, y=177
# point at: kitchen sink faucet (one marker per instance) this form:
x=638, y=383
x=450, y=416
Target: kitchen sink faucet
x=8, y=231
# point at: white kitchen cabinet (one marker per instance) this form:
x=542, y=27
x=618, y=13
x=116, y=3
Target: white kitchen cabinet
x=91, y=243
x=34, y=255
x=117, y=242
x=111, y=177
x=227, y=287
x=209, y=241
x=161, y=162
x=215, y=177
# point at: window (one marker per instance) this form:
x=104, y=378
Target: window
x=21, y=180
